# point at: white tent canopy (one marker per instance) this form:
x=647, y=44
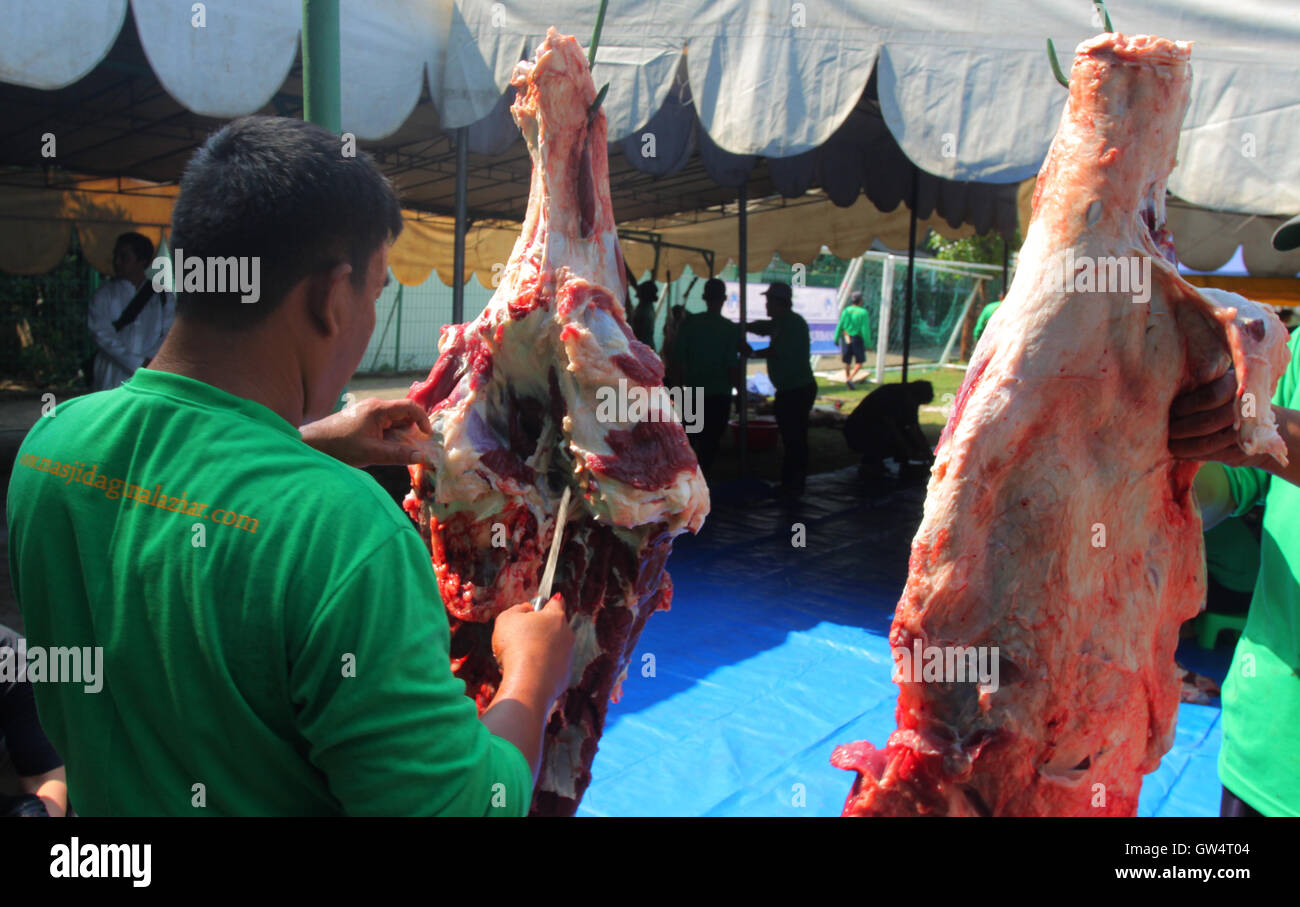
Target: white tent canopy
x=964, y=87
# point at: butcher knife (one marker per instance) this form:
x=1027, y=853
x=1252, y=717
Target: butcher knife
x=548, y=575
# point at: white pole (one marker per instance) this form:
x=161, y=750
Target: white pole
x=850, y=278
x=961, y=322
x=886, y=300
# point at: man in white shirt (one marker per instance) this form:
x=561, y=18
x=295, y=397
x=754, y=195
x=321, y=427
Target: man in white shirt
x=128, y=336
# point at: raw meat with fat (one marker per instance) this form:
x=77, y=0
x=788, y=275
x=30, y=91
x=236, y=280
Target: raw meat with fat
x=1057, y=528
x=513, y=400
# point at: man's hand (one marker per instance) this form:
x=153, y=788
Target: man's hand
x=372, y=432
x=538, y=643
x=534, y=649
x=1201, y=424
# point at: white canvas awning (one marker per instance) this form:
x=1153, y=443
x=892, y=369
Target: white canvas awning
x=963, y=87
x=844, y=96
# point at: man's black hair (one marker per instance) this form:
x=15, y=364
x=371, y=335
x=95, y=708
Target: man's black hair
x=715, y=290
x=647, y=291
x=140, y=245
x=923, y=390
x=281, y=190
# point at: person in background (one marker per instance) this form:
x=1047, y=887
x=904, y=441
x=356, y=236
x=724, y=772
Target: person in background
x=853, y=334
x=24, y=748
x=789, y=366
x=887, y=424
x=643, y=316
x=983, y=321
x=706, y=353
x=287, y=651
x=676, y=315
x=1261, y=693
x=127, y=317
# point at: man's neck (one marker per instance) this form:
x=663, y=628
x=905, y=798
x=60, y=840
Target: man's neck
x=251, y=365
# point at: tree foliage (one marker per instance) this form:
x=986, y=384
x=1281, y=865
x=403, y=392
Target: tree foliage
x=985, y=249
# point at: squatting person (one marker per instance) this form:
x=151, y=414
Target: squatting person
x=295, y=662
x=886, y=424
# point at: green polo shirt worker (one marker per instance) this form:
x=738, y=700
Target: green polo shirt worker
x=1259, y=760
x=706, y=353
x=789, y=366
x=272, y=638
x=853, y=334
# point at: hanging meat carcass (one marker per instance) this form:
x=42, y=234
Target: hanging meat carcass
x=517, y=400
x=1057, y=528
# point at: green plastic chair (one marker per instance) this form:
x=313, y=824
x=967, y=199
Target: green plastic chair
x=1209, y=625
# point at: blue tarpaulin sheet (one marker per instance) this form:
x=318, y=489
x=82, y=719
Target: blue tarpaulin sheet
x=773, y=654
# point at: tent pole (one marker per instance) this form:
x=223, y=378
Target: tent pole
x=743, y=262
x=911, y=266
x=384, y=336
x=320, y=63
x=886, y=308
x=397, y=349
x=458, y=252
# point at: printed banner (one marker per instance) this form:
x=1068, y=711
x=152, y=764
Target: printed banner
x=815, y=304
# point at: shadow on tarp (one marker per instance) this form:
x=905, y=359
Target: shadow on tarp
x=772, y=655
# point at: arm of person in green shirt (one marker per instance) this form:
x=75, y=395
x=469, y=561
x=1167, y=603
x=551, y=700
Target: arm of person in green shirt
x=387, y=722
x=1201, y=428
x=533, y=650
x=372, y=432
x=839, y=327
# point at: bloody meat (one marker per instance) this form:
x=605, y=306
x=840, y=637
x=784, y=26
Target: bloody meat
x=1057, y=527
x=514, y=402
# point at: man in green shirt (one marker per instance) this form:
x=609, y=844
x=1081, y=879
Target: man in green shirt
x=271, y=634
x=789, y=365
x=706, y=353
x=854, y=330
x=1259, y=761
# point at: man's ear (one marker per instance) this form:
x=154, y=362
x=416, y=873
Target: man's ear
x=328, y=298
